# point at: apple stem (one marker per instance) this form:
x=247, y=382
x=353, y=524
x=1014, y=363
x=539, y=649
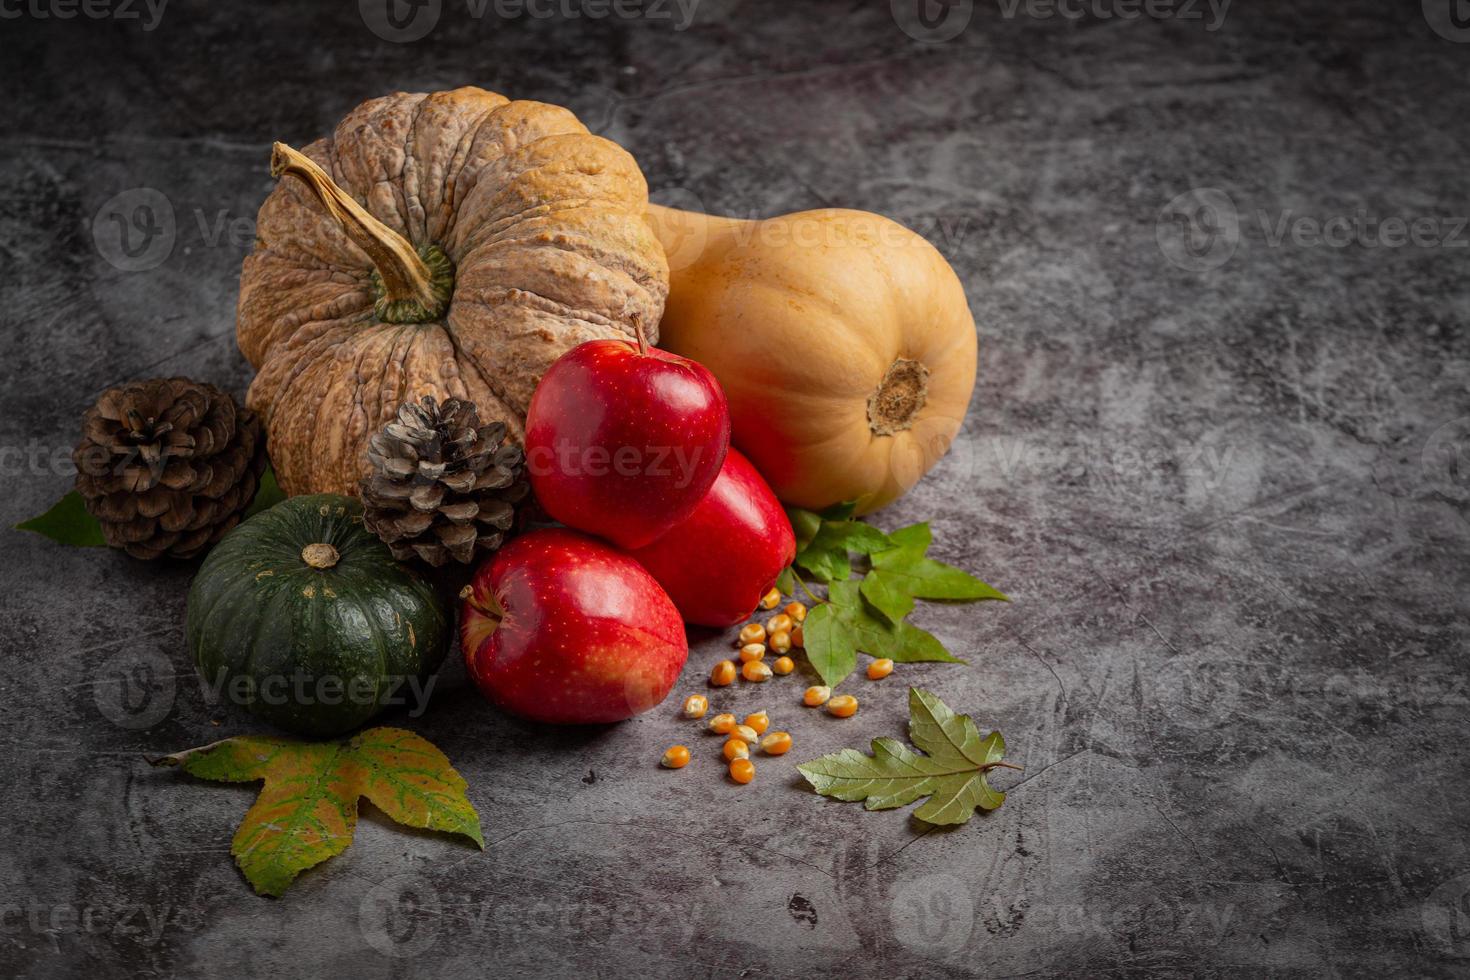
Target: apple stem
x=638, y=331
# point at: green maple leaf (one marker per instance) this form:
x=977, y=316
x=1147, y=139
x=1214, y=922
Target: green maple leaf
x=307, y=810
x=951, y=771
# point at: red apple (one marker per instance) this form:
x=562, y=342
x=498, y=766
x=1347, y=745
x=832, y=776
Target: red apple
x=718, y=562
x=623, y=440
x=563, y=628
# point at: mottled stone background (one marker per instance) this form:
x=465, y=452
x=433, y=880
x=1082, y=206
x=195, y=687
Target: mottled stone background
x=1219, y=460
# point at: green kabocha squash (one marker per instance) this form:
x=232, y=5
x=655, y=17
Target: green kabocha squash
x=302, y=616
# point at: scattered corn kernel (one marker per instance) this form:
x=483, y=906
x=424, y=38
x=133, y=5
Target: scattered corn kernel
x=779, y=623
x=783, y=666
x=675, y=757
x=752, y=651
x=795, y=610
x=695, y=705
x=816, y=695
x=745, y=733
x=797, y=638
x=752, y=633
x=759, y=721
x=722, y=724
x=756, y=671
x=771, y=599
x=723, y=674
x=781, y=642
x=879, y=669
x=742, y=771
x=736, y=748
x=776, y=743
x=842, y=706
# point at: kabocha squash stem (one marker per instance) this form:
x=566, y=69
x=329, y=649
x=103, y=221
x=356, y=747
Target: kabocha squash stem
x=412, y=292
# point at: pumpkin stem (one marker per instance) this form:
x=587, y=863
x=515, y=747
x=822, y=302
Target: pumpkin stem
x=414, y=286
x=320, y=556
x=638, y=331
x=893, y=406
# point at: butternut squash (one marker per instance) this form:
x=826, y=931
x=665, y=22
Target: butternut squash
x=842, y=339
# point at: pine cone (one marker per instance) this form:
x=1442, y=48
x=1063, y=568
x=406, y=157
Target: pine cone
x=443, y=486
x=168, y=466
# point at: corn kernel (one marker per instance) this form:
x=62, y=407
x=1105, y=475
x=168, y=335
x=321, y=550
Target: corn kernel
x=742, y=771
x=759, y=721
x=879, y=669
x=723, y=674
x=695, y=705
x=780, y=623
x=722, y=724
x=752, y=633
x=776, y=743
x=795, y=610
x=736, y=748
x=781, y=642
x=675, y=757
x=756, y=671
x=771, y=599
x=842, y=706
x=797, y=638
x=752, y=651
x=783, y=666
x=816, y=696
x=745, y=733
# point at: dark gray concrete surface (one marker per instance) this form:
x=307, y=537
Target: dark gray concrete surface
x=1219, y=461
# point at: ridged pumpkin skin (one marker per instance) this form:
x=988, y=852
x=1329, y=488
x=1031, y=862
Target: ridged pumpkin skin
x=260, y=614
x=842, y=339
x=540, y=222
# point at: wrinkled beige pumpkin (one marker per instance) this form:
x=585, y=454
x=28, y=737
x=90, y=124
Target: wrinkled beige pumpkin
x=842, y=339
x=452, y=244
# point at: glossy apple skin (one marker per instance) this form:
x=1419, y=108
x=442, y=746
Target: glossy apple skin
x=718, y=562
x=563, y=628
x=623, y=443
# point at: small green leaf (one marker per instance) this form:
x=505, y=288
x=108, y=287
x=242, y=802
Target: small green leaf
x=888, y=597
x=67, y=522
x=805, y=524
x=267, y=495
x=903, y=642
x=951, y=772
x=829, y=645
x=915, y=537
x=840, y=512
x=925, y=578
x=786, y=581
x=826, y=556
